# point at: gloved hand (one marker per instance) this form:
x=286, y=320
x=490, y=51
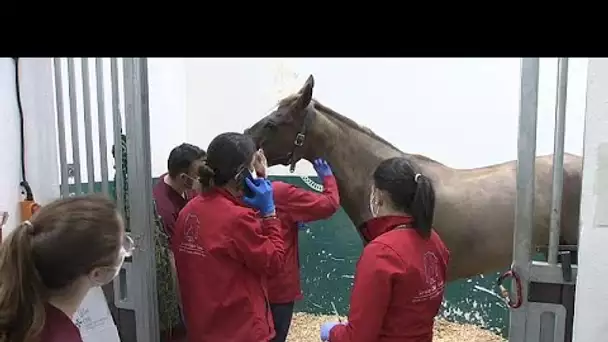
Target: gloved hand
x=322, y=168
x=326, y=328
x=262, y=198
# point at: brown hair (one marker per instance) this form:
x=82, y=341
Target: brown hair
x=65, y=239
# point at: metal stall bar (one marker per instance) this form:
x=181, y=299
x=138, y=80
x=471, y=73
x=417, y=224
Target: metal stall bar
x=140, y=182
x=122, y=284
x=117, y=123
x=74, y=127
x=65, y=191
x=101, y=122
x=558, y=158
x=88, y=130
x=524, y=204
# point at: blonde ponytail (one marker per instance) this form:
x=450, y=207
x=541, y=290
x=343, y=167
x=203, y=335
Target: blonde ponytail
x=22, y=311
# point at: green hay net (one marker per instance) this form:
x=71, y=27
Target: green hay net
x=168, y=304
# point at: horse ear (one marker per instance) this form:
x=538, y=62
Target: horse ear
x=305, y=96
x=310, y=82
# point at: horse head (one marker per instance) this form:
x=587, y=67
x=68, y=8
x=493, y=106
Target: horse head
x=282, y=134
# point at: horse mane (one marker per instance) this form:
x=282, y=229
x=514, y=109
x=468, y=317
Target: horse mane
x=335, y=115
x=350, y=123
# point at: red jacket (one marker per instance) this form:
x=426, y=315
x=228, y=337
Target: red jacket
x=223, y=253
x=399, y=285
x=295, y=205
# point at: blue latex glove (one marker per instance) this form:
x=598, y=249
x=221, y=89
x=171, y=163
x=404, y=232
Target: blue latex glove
x=322, y=168
x=262, y=198
x=326, y=328
x=302, y=225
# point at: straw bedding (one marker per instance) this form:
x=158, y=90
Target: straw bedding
x=305, y=328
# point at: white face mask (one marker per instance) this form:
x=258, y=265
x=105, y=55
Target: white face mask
x=373, y=203
x=190, y=182
x=254, y=174
x=112, y=272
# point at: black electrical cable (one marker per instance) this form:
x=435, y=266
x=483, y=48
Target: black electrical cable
x=26, y=187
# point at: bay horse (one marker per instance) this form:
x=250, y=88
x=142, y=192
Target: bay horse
x=475, y=208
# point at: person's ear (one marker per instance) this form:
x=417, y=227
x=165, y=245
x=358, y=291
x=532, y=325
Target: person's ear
x=381, y=197
x=97, y=274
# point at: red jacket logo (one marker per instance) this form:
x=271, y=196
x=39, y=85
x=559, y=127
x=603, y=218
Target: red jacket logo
x=431, y=269
x=192, y=226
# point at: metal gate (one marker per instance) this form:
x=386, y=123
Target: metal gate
x=133, y=295
x=546, y=288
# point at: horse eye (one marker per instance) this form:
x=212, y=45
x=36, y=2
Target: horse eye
x=271, y=126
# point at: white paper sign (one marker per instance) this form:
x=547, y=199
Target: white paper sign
x=94, y=319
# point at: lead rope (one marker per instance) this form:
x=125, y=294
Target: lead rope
x=311, y=183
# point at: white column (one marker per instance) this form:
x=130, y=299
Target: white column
x=38, y=101
x=590, y=319
x=9, y=145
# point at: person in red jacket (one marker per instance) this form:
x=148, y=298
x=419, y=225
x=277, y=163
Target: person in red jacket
x=401, y=275
x=295, y=206
x=226, y=242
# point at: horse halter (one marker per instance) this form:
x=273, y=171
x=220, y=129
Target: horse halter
x=298, y=141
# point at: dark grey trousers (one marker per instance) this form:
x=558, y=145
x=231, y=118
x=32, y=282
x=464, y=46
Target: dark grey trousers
x=281, y=315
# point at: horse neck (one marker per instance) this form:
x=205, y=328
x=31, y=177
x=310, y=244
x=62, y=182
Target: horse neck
x=353, y=156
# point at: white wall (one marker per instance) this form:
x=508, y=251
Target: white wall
x=168, y=103
x=38, y=100
x=40, y=135
x=590, y=319
x=9, y=144
x=462, y=112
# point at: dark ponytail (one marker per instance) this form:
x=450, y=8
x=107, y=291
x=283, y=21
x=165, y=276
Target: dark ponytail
x=22, y=297
x=409, y=191
x=206, y=176
x=422, y=208
x=227, y=155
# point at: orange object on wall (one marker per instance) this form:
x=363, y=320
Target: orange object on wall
x=28, y=208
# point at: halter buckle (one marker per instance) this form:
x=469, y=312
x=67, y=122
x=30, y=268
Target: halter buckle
x=299, y=141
